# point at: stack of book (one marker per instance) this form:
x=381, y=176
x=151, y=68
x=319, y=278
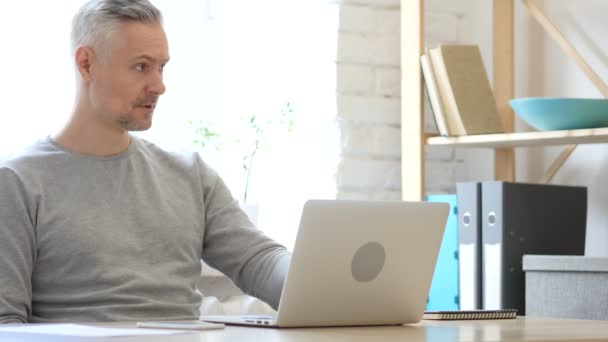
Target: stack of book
x=459, y=91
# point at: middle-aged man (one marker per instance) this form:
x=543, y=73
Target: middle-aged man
x=99, y=225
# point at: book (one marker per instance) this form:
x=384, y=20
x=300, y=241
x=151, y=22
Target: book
x=469, y=244
x=519, y=219
x=433, y=95
x=470, y=314
x=467, y=100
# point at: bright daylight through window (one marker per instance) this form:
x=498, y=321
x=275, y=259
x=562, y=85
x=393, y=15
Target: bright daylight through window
x=251, y=81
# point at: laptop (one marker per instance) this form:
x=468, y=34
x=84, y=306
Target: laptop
x=357, y=263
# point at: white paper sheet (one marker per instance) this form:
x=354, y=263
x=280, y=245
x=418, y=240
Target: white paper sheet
x=78, y=330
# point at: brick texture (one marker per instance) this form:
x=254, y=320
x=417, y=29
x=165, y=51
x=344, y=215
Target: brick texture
x=369, y=99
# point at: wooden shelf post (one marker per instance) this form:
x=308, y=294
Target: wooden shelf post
x=412, y=110
x=504, y=83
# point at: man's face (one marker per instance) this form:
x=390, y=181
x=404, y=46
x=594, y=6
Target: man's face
x=127, y=79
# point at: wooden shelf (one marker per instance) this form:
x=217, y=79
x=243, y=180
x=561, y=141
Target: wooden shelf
x=413, y=140
x=577, y=136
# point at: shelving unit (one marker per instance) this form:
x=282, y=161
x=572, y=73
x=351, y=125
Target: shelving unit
x=523, y=139
x=413, y=138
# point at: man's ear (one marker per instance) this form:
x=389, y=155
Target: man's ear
x=85, y=58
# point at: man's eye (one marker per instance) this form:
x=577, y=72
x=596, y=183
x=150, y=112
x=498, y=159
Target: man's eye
x=140, y=67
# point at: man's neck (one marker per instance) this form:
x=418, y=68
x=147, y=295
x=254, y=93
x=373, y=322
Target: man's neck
x=92, y=138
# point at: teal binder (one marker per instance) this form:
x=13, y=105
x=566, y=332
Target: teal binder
x=444, y=293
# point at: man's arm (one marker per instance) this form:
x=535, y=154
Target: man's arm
x=231, y=244
x=17, y=250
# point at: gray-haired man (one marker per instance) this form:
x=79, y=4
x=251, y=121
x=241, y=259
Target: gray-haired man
x=98, y=225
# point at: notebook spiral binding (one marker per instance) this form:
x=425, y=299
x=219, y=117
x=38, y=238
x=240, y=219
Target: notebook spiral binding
x=470, y=314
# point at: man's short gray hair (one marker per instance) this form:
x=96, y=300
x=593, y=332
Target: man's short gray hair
x=94, y=21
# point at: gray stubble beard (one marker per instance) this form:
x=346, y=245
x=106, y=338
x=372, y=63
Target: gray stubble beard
x=128, y=124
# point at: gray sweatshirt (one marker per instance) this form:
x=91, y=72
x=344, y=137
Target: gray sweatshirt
x=120, y=238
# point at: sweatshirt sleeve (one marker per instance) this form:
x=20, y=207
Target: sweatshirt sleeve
x=232, y=244
x=17, y=250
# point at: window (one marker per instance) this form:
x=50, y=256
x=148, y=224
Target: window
x=229, y=59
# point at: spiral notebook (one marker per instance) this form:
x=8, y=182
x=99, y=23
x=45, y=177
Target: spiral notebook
x=471, y=314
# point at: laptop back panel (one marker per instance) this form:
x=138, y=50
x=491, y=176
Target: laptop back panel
x=362, y=263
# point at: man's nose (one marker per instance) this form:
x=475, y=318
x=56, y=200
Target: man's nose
x=157, y=86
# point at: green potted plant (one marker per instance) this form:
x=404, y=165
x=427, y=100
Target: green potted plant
x=255, y=134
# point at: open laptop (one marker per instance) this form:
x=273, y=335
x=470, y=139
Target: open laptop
x=358, y=263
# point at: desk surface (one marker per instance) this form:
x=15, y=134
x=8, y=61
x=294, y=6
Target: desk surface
x=520, y=329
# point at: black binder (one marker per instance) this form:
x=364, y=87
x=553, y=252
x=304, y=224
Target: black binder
x=518, y=219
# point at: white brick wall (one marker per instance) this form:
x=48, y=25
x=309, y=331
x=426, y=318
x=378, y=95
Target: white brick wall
x=394, y=4
x=442, y=27
x=388, y=82
x=368, y=98
x=369, y=108
x=368, y=49
x=366, y=173
x=367, y=140
x=355, y=79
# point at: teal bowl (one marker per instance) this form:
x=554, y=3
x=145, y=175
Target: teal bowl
x=549, y=114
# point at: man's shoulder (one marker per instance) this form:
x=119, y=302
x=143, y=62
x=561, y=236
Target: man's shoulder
x=178, y=159
x=30, y=164
x=32, y=155
x=168, y=154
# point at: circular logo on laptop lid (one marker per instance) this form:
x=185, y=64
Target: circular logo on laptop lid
x=368, y=262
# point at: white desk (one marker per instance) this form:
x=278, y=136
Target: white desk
x=520, y=329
